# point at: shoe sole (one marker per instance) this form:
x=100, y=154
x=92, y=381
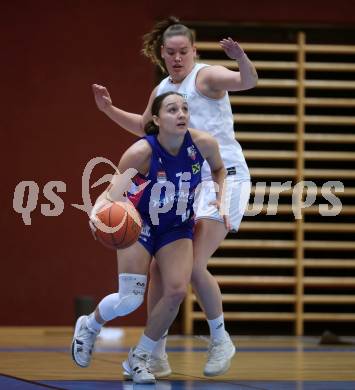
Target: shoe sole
x=225, y=369
x=73, y=343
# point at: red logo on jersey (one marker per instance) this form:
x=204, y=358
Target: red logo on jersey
x=191, y=152
x=161, y=177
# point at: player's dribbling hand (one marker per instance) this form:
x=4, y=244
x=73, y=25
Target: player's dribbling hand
x=102, y=97
x=232, y=49
x=93, y=220
x=225, y=217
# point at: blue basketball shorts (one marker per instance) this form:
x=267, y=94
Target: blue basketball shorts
x=154, y=237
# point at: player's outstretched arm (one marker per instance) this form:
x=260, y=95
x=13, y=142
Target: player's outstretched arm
x=219, y=78
x=134, y=123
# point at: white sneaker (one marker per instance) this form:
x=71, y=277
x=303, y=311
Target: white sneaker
x=219, y=357
x=159, y=367
x=83, y=342
x=136, y=367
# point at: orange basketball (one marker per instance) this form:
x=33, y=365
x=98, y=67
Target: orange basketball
x=121, y=225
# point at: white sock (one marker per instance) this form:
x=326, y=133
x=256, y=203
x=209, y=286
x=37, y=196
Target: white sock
x=92, y=323
x=146, y=344
x=217, y=329
x=160, y=349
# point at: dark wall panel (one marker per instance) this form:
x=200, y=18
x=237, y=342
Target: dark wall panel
x=54, y=52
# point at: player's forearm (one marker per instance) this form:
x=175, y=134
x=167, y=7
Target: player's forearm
x=218, y=177
x=120, y=183
x=115, y=192
x=127, y=120
x=248, y=74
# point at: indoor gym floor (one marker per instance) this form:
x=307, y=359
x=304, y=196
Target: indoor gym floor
x=39, y=358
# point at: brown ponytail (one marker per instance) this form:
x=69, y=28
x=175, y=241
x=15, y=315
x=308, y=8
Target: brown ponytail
x=153, y=40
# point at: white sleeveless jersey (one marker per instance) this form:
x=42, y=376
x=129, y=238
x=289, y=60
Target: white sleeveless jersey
x=211, y=115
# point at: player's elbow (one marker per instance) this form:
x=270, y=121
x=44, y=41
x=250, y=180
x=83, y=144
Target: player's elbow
x=219, y=173
x=254, y=81
x=250, y=82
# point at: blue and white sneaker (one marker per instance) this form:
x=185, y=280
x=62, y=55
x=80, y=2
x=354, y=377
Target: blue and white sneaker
x=159, y=367
x=136, y=367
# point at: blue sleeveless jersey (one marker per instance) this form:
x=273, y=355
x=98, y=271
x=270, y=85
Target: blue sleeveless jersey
x=167, y=200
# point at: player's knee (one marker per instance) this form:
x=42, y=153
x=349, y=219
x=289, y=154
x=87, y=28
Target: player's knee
x=176, y=294
x=128, y=304
x=199, y=275
x=131, y=293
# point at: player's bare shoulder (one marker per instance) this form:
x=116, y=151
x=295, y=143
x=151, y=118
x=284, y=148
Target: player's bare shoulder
x=137, y=156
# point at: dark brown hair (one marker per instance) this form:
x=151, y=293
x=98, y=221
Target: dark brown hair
x=164, y=29
x=151, y=128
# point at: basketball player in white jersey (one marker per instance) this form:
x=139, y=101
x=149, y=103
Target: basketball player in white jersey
x=171, y=46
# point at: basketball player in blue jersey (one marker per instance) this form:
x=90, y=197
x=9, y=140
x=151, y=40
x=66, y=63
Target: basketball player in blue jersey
x=169, y=163
x=170, y=45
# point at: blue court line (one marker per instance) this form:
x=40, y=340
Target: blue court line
x=186, y=349
x=159, y=385
x=206, y=385
x=14, y=383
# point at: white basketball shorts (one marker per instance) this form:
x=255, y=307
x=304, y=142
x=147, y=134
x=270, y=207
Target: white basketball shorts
x=236, y=201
